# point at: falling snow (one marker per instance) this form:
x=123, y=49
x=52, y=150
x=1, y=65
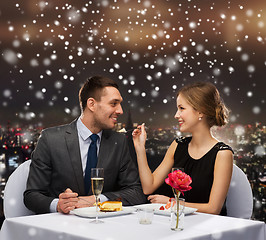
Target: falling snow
x=152, y=48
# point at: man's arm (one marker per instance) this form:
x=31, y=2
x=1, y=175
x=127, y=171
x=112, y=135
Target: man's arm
x=36, y=195
x=128, y=183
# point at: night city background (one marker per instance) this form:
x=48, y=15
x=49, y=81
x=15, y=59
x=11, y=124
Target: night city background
x=151, y=48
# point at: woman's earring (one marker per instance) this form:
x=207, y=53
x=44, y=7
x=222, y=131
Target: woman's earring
x=200, y=118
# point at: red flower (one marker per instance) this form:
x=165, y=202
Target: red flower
x=179, y=181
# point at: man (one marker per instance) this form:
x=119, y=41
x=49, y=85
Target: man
x=57, y=171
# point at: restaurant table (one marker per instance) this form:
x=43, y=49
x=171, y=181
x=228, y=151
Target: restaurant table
x=197, y=226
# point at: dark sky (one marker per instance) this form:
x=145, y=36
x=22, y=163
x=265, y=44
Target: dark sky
x=152, y=48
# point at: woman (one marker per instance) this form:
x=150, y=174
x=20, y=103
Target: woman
x=208, y=161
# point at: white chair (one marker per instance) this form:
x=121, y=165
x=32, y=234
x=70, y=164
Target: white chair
x=13, y=192
x=239, y=200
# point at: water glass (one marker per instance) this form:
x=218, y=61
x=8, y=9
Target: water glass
x=145, y=215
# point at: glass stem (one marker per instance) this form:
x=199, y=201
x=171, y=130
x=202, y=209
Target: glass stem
x=96, y=208
x=177, y=194
x=177, y=211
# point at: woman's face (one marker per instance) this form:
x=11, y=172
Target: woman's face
x=187, y=116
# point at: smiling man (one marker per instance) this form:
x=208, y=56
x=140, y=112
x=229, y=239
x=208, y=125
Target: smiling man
x=58, y=178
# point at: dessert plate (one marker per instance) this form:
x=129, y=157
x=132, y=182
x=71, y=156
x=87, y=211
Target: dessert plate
x=166, y=212
x=90, y=212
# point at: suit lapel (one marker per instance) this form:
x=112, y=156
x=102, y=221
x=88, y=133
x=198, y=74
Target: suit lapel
x=72, y=142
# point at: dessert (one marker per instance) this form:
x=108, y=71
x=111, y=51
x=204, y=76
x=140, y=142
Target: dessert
x=168, y=205
x=111, y=206
x=123, y=130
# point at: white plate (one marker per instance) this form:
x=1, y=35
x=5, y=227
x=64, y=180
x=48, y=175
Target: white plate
x=166, y=212
x=90, y=212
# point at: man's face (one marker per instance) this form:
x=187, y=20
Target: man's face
x=108, y=108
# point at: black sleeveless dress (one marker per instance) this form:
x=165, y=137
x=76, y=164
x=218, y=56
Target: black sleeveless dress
x=200, y=170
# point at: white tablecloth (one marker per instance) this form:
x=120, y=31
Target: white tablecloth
x=197, y=226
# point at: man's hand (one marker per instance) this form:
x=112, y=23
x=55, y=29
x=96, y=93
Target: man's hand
x=86, y=201
x=67, y=201
x=158, y=199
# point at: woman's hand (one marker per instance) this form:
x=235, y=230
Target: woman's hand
x=139, y=136
x=158, y=199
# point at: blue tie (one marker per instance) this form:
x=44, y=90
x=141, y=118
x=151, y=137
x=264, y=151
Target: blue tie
x=91, y=162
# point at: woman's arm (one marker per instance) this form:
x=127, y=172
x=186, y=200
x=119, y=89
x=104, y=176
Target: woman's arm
x=222, y=176
x=151, y=181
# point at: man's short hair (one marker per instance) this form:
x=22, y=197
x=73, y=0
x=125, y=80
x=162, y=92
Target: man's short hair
x=92, y=88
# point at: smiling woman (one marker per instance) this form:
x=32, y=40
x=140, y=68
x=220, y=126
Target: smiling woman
x=206, y=160
x=205, y=99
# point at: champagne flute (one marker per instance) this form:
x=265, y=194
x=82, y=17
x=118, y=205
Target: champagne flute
x=97, y=180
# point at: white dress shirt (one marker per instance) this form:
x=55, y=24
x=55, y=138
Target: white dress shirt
x=85, y=141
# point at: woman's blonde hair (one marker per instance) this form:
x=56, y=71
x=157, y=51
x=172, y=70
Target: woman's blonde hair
x=205, y=98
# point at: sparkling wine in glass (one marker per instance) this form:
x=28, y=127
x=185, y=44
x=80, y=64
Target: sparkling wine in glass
x=97, y=180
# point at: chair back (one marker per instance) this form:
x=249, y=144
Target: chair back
x=13, y=192
x=239, y=200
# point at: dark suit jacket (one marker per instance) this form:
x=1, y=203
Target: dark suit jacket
x=56, y=165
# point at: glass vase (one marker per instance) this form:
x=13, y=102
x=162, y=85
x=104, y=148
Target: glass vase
x=177, y=213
